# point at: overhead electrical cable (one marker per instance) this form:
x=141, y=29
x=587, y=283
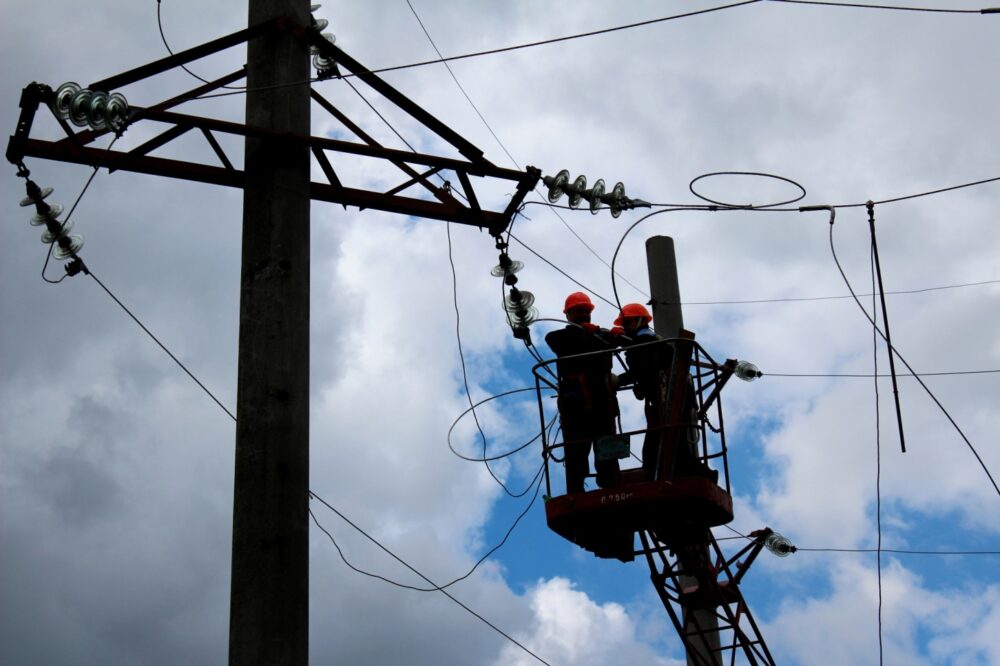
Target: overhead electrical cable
x=465, y=374
x=642, y=219
x=566, y=38
x=779, y=209
x=859, y=5
x=893, y=350
x=537, y=485
x=66, y=220
x=163, y=38
x=500, y=143
x=460, y=87
x=503, y=49
x=869, y=375
x=562, y=272
x=833, y=298
x=593, y=33
x=899, y=551
x=425, y=578
x=87, y=270
x=161, y=345
x=878, y=454
x=458, y=321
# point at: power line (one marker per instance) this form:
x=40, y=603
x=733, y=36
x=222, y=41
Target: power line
x=161, y=345
x=460, y=87
x=465, y=375
x=481, y=402
x=857, y=5
x=893, y=350
x=562, y=272
x=833, y=298
x=899, y=551
x=878, y=452
x=428, y=580
x=642, y=219
x=869, y=375
x=566, y=38
x=767, y=209
x=454, y=288
x=536, y=482
x=511, y=157
x=504, y=49
x=163, y=38
x=924, y=194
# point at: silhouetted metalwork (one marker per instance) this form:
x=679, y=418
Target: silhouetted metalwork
x=670, y=502
x=76, y=146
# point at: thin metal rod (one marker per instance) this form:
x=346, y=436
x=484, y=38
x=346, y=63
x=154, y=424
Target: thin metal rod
x=885, y=321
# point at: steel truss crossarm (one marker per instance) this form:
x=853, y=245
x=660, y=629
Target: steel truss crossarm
x=715, y=590
x=418, y=167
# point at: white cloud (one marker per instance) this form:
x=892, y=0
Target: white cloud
x=570, y=628
x=116, y=475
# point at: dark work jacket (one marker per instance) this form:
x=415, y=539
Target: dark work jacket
x=584, y=383
x=645, y=362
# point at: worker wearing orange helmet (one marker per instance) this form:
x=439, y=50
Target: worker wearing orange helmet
x=649, y=367
x=587, y=402
x=645, y=362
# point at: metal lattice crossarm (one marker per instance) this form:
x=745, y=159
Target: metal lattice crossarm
x=418, y=168
x=695, y=580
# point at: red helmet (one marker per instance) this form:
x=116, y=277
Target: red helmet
x=634, y=310
x=578, y=299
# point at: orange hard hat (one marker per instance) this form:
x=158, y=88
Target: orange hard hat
x=578, y=299
x=634, y=310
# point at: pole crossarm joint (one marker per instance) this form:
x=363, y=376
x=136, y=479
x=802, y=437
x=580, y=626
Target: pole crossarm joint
x=417, y=167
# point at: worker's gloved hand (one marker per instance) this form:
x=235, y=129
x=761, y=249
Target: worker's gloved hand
x=617, y=330
x=589, y=327
x=615, y=380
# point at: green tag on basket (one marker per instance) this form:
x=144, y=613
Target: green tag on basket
x=611, y=447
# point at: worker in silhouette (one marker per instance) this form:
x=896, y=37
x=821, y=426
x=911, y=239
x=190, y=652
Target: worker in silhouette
x=587, y=402
x=648, y=366
x=649, y=370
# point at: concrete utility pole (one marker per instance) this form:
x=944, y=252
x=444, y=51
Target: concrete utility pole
x=665, y=291
x=269, y=603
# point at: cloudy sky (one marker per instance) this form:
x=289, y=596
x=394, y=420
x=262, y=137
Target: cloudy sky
x=116, y=469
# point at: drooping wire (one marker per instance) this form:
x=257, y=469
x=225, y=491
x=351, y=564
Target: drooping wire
x=799, y=209
x=859, y=5
x=868, y=376
x=460, y=87
x=567, y=38
x=899, y=551
x=160, y=344
x=614, y=257
x=878, y=456
x=425, y=578
x=833, y=298
x=895, y=551
x=498, y=456
x=65, y=221
x=86, y=269
x=465, y=375
x=500, y=143
x=163, y=38
x=564, y=273
x=893, y=350
x=536, y=481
